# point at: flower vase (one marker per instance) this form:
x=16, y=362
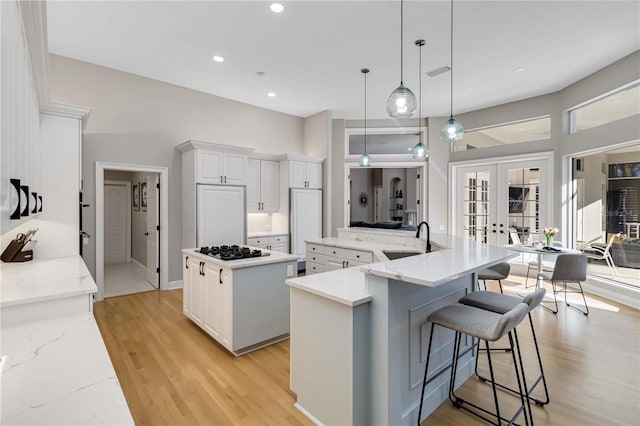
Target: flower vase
x=549, y=240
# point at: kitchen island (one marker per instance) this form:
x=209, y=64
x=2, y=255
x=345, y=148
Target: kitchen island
x=244, y=303
x=379, y=329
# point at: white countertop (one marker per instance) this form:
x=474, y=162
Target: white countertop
x=59, y=372
x=266, y=234
x=375, y=247
x=44, y=279
x=344, y=286
x=274, y=257
x=460, y=257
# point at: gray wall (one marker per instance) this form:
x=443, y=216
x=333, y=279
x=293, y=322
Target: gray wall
x=139, y=121
x=362, y=184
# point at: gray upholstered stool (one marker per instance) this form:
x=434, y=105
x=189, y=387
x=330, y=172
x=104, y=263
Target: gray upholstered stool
x=501, y=303
x=484, y=325
x=497, y=272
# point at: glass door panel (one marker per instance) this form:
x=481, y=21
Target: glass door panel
x=477, y=195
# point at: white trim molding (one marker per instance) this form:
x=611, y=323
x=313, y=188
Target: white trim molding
x=164, y=219
x=34, y=23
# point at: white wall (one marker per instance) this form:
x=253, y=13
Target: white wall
x=139, y=121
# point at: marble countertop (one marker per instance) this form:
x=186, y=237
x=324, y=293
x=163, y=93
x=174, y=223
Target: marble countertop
x=44, y=279
x=344, y=286
x=266, y=234
x=274, y=257
x=456, y=257
x=375, y=247
x=59, y=372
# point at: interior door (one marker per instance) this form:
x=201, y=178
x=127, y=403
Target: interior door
x=115, y=224
x=492, y=199
x=153, y=271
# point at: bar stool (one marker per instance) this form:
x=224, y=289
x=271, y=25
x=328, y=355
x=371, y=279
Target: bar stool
x=484, y=325
x=496, y=273
x=502, y=303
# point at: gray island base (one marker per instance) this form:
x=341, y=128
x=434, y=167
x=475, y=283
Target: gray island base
x=359, y=336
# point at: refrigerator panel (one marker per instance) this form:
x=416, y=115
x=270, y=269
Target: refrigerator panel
x=306, y=218
x=221, y=215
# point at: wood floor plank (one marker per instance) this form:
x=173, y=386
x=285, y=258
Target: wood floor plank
x=172, y=373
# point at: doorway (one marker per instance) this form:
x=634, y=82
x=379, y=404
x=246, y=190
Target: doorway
x=506, y=201
x=143, y=204
x=130, y=228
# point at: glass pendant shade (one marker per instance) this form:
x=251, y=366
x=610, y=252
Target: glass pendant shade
x=401, y=103
x=452, y=131
x=420, y=151
x=365, y=160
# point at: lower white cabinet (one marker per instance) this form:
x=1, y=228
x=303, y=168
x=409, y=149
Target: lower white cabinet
x=321, y=258
x=243, y=308
x=278, y=243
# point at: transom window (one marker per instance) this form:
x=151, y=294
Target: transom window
x=622, y=103
x=533, y=129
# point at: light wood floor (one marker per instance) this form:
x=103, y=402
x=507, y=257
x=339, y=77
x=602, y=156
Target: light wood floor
x=172, y=373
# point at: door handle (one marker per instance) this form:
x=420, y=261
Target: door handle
x=220, y=275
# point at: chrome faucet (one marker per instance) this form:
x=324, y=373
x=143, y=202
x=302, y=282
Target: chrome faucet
x=428, y=249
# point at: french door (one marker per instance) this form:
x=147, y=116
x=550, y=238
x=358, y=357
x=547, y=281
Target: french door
x=502, y=203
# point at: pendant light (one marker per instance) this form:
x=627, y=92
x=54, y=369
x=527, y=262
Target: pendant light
x=402, y=101
x=452, y=131
x=420, y=151
x=365, y=159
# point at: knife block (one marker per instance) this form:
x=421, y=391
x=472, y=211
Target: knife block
x=14, y=252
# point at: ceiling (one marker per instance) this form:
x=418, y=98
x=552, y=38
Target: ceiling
x=311, y=53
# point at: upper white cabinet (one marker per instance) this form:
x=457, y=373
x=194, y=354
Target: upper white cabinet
x=262, y=186
x=303, y=172
x=220, y=168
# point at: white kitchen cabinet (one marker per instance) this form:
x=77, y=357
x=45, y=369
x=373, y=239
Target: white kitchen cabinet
x=218, y=302
x=262, y=186
x=206, y=164
x=305, y=174
x=278, y=243
x=220, y=168
x=322, y=258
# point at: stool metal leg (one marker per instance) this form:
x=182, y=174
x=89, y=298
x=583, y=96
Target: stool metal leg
x=426, y=368
x=541, y=377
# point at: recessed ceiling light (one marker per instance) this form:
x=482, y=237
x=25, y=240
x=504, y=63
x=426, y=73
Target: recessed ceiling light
x=218, y=58
x=276, y=7
x=271, y=94
x=519, y=69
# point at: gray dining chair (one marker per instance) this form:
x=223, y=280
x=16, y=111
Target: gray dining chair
x=569, y=268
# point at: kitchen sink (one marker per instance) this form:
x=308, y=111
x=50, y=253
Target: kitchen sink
x=392, y=255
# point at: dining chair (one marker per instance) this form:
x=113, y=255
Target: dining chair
x=597, y=252
x=546, y=265
x=569, y=268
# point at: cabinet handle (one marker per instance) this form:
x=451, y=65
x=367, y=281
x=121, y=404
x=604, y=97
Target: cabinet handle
x=220, y=275
x=225, y=179
x=358, y=256
x=202, y=268
x=220, y=179
x=186, y=262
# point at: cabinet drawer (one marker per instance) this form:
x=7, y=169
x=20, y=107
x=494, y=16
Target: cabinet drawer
x=351, y=263
x=279, y=239
x=258, y=241
x=316, y=258
x=314, y=268
x=316, y=248
x=336, y=252
x=360, y=256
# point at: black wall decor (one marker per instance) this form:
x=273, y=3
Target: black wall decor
x=25, y=193
x=35, y=202
x=16, y=186
x=40, y=198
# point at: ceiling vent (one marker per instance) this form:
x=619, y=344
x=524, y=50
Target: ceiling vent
x=438, y=71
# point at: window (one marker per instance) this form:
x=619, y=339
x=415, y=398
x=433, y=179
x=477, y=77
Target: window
x=622, y=103
x=503, y=134
x=380, y=143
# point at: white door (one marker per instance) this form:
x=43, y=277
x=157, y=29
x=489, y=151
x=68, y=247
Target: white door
x=493, y=199
x=234, y=169
x=153, y=222
x=297, y=174
x=115, y=224
x=314, y=175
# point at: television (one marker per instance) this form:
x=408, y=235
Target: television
x=517, y=195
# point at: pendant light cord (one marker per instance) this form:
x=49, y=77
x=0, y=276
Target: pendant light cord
x=401, y=39
x=420, y=91
x=365, y=111
x=451, y=60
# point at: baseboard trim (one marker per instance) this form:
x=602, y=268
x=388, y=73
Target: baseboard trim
x=174, y=285
x=138, y=263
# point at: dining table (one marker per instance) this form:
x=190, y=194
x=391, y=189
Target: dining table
x=540, y=251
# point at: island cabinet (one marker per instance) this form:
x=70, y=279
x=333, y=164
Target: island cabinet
x=322, y=258
x=243, y=304
x=271, y=242
x=262, y=186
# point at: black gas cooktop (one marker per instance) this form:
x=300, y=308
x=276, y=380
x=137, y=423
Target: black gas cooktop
x=233, y=252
